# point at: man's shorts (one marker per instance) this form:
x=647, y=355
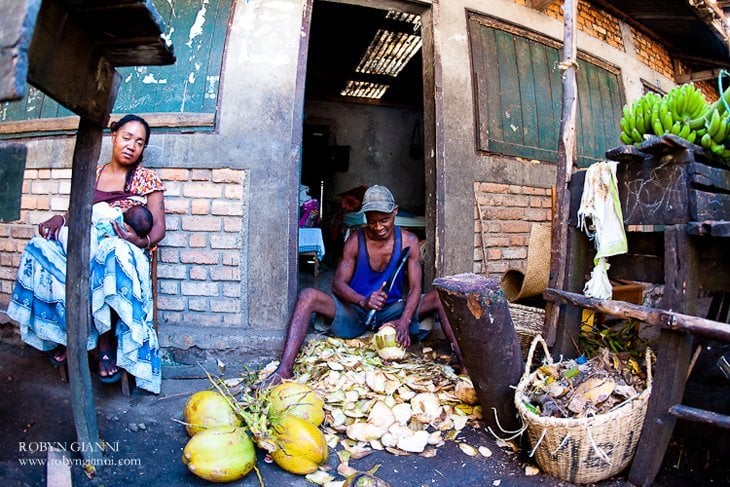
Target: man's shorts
x=349, y=320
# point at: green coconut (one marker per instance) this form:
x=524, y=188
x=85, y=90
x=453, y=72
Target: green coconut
x=220, y=454
x=206, y=409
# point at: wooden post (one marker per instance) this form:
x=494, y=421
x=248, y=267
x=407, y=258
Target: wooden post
x=673, y=355
x=566, y=156
x=479, y=315
x=78, y=302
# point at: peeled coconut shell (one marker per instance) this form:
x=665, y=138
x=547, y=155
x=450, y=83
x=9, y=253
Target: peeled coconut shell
x=387, y=345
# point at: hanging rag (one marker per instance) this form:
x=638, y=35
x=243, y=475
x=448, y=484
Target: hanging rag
x=600, y=206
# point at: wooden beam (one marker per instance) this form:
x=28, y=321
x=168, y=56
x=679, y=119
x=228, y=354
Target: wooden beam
x=78, y=316
x=698, y=76
x=65, y=64
x=566, y=159
x=709, y=228
x=70, y=124
x=18, y=19
x=668, y=320
x=673, y=352
x=700, y=416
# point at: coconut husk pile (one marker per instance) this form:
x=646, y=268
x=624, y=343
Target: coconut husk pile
x=579, y=388
x=411, y=406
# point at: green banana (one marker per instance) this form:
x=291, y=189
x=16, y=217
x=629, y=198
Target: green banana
x=676, y=128
x=636, y=136
x=624, y=124
x=667, y=121
x=626, y=139
x=657, y=126
x=717, y=149
x=714, y=123
x=706, y=141
x=684, y=132
x=692, y=136
x=640, y=126
x=721, y=133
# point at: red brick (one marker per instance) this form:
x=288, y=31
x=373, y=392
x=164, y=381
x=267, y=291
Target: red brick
x=201, y=224
x=198, y=257
x=200, y=207
x=517, y=227
x=228, y=176
x=180, y=206
x=175, y=174
x=493, y=188
x=198, y=273
x=198, y=240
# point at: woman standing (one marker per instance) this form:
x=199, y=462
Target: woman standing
x=121, y=292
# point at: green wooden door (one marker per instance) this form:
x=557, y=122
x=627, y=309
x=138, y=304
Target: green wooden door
x=518, y=96
x=197, y=31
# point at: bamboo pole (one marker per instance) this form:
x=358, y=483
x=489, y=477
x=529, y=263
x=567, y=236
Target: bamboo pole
x=566, y=157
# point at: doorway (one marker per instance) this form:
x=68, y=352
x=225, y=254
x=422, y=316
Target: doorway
x=363, y=120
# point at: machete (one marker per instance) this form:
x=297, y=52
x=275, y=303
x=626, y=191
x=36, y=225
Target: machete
x=388, y=286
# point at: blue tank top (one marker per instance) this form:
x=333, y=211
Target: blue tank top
x=366, y=280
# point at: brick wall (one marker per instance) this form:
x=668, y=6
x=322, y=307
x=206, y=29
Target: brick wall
x=199, y=267
x=594, y=22
x=653, y=54
x=503, y=215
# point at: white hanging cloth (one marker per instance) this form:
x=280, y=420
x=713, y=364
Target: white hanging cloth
x=600, y=205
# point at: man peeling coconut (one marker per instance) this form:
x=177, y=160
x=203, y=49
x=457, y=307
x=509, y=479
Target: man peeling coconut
x=370, y=257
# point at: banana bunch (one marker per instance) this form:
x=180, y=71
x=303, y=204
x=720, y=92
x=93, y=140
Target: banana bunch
x=637, y=119
x=717, y=136
x=683, y=112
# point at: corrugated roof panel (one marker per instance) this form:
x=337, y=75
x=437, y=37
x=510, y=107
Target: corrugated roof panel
x=364, y=89
x=388, y=53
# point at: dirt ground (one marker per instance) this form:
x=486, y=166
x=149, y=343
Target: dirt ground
x=147, y=442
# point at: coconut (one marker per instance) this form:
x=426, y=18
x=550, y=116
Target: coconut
x=207, y=409
x=295, y=399
x=300, y=446
x=387, y=345
x=220, y=454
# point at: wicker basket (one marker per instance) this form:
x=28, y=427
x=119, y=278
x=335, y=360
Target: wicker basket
x=528, y=323
x=583, y=450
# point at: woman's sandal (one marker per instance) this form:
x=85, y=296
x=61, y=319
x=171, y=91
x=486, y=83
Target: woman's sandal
x=107, y=360
x=58, y=356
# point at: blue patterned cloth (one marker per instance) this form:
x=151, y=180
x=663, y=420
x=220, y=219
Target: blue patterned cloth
x=120, y=280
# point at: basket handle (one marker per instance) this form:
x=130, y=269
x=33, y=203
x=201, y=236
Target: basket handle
x=538, y=339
